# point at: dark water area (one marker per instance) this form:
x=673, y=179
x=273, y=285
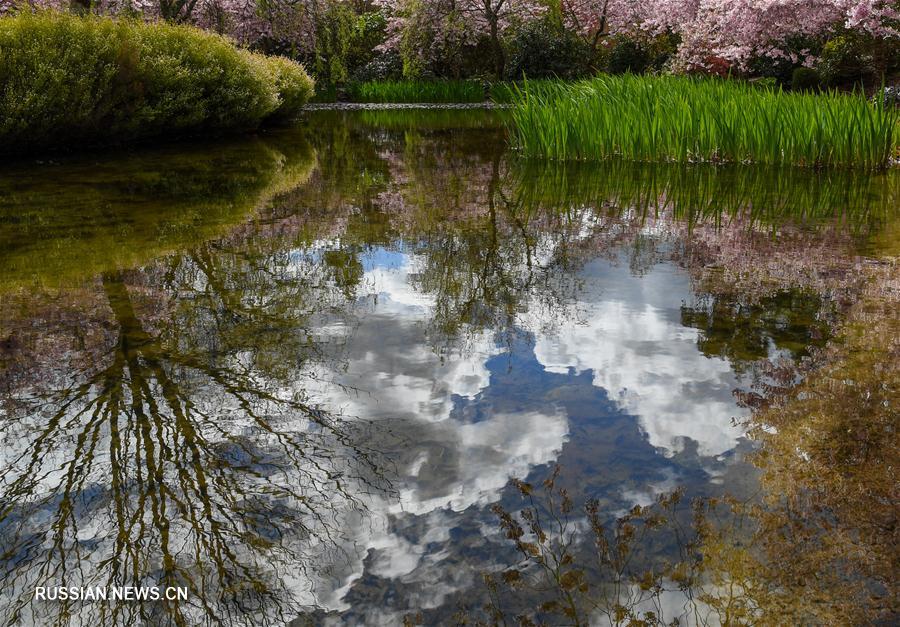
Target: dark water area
x=297, y=373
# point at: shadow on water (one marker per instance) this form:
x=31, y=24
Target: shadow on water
x=293, y=373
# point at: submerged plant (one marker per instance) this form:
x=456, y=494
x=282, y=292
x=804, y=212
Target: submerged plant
x=687, y=119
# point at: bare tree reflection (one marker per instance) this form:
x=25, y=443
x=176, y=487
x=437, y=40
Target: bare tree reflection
x=174, y=444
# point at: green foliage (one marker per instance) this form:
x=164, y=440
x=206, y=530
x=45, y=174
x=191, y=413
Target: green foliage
x=628, y=55
x=839, y=61
x=293, y=85
x=689, y=119
x=334, y=34
x=781, y=68
x=853, y=57
x=66, y=79
x=544, y=49
x=418, y=91
x=363, y=62
x=805, y=79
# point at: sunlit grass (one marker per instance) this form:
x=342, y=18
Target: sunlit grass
x=461, y=91
x=684, y=119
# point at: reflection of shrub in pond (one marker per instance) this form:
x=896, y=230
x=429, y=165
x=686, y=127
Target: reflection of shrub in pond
x=828, y=449
x=742, y=332
x=64, y=222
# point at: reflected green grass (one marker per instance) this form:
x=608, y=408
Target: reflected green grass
x=764, y=195
x=64, y=222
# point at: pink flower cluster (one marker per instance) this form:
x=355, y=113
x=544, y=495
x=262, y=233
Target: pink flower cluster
x=729, y=30
x=724, y=31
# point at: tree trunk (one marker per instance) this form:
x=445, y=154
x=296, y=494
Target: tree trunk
x=499, y=54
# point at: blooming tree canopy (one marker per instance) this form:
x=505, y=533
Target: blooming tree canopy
x=446, y=33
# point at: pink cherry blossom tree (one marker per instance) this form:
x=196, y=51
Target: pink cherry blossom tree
x=738, y=30
x=423, y=30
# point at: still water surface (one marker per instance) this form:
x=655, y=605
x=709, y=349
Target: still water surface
x=294, y=373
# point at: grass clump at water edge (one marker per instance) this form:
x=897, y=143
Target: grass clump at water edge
x=687, y=119
x=67, y=80
x=433, y=91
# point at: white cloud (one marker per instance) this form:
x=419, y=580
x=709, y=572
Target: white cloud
x=631, y=339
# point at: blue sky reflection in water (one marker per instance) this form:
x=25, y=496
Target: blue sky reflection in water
x=299, y=378
x=615, y=386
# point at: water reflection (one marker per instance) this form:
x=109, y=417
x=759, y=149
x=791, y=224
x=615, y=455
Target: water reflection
x=295, y=373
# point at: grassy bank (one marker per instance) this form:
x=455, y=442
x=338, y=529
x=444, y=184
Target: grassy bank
x=67, y=80
x=429, y=91
x=668, y=118
x=417, y=91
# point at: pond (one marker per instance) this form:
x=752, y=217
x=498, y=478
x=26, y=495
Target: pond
x=296, y=373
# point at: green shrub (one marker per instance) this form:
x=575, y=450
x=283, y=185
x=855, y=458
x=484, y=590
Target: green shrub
x=628, y=55
x=66, y=80
x=781, y=68
x=805, y=79
x=294, y=87
x=544, y=49
x=669, y=118
x=854, y=57
x=840, y=61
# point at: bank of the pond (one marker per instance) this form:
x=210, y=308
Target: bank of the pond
x=67, y=80
x=670, y=118
x=432, y=91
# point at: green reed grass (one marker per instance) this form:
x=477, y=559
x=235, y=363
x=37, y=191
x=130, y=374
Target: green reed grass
x=455, y=91
x=687, y=119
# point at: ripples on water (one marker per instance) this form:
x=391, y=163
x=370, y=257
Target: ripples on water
x=294, y=373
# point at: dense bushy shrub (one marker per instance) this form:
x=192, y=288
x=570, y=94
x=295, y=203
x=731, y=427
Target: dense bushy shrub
x=544, y=49
x=67, y=79
x=805, y=79
x=292, y=84
x=840, y=61
x=368, y=34
x=853, y=57
x=628, y=55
